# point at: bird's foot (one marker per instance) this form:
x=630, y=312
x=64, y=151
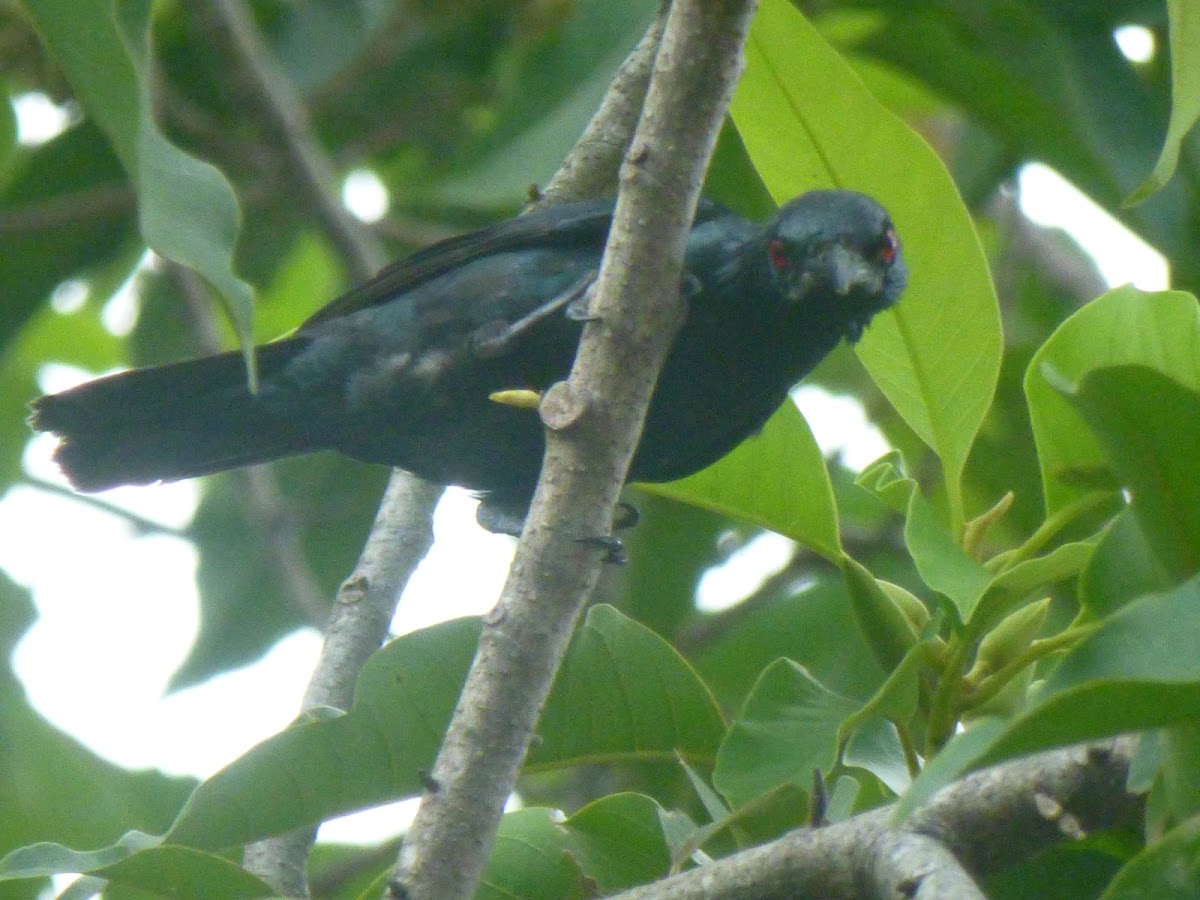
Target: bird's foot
x=625, y=516
x=610, y=545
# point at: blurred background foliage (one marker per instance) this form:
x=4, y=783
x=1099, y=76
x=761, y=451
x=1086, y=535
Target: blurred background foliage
x=459, y=108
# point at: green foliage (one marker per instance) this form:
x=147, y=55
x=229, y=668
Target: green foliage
x=1019, y=573
x=186, y=208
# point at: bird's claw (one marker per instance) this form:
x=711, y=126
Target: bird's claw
x=614, y=550
x=625, y=516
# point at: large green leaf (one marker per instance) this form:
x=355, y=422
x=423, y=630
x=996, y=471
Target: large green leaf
x=614, y=843
x=808, y=121
x=1184, y=19
x=642, y=702
x=635, y=698
x=1123, y=568
x=138, y=861
x=787, y=729
x=330, y=764
x=532, y=858
x=1149, y=426
x=622, y=840
x=776, y=479
x=1123, y=327
x=186, y=208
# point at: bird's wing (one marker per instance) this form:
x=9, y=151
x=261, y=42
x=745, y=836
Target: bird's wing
x=570, y=224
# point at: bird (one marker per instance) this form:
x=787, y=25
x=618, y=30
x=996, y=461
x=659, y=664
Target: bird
x=435, y=364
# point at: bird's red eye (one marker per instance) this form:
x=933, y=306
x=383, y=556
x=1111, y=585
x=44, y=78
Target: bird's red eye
x=778, y=255
x=890, y=246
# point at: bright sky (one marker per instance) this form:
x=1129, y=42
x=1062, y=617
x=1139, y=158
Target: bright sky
x=117, y=611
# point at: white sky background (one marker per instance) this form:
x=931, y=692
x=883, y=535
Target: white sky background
x=117, y=612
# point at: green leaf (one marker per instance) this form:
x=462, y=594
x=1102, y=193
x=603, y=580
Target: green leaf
x=1149, y=425
x=943, y=564
x=531, y=859
x=184, y=872
x=620, y=841
x=625, y=693
x=611, y=844
x=141, y=862
x=889, y=633
x=1122, y=568
x=1015, y=585
x=1122, y=327
x=1184, y=19
x=1168, y=869
x=1180, y=771
x=1138, y=670
x=776, y=479
x=51, y=859
x=876, y=747
x=321, y=768
x=807, y=122
x=671, y=548
x=815, y=626
x=787, y=729
x=187, y=210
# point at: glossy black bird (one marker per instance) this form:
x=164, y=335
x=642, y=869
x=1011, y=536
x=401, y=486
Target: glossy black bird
x=409, y=369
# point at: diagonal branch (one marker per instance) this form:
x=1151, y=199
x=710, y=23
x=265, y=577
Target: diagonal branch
x=594, y=420
x=975, y=827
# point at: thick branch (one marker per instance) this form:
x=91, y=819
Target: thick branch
x=973, y=828
x=594, y=421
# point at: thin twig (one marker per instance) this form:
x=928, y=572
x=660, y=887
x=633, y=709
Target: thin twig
x=140, y=523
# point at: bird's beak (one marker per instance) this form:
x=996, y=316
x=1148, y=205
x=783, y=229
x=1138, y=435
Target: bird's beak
x=848, y=271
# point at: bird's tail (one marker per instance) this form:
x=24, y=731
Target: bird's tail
x=169, y=422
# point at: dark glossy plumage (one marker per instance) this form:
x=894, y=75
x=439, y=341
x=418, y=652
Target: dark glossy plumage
x=401, y=369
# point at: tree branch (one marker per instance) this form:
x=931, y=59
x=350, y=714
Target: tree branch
x=975, y=827
x=594, y=421
x=366, y=602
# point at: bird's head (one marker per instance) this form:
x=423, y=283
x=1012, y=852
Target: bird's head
x=837, y=255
